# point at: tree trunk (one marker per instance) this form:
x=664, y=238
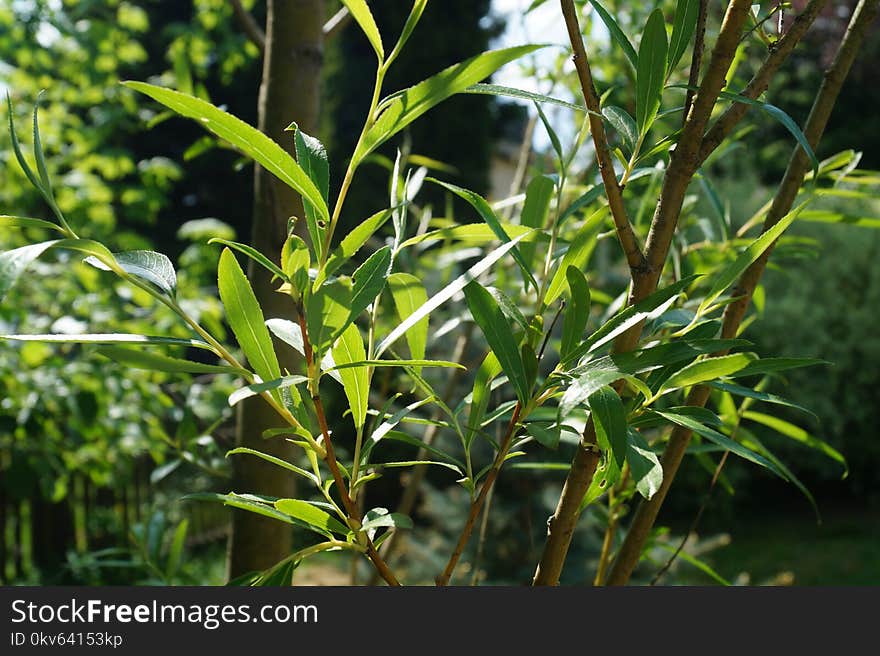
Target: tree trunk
x=290, y=91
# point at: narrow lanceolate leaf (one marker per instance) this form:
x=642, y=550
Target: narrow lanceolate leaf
x=312, y=157
x=576, y=313
x=798, y=434
x=7, y=221
x=473, y=234
x=393, y=363
x=244, y=137
x=644, y=466
x=489, y=369
x=361, y=13
x=13, y=263
x=739, y=390
x=380, y=517
x=409, y=295
x=616, y=33
x=706, y=370
x=369, y=280
x=686, y=13
x=609, y=418
x=731, y=273
x=774, y=365
x=318, y=520
x=651, y=70
x=349, y=348
x=510, y=92
x=721, y=440
x=153, y=267
x=248, y=502
x=328, y=312
x=283, y=382
x=246, y=317
x=138, y=359
x=623, y=123
x=275, y=461
x=497, y=331
x=444, y=295
x=386, y=426
x=411, y=21
x=291, y=334
x=352, y=243
x=577, y=256
x=109, y=338
x=508, y=308
x=488, y=215
x=252, y=253
x=415, y=101
x=539, y=193
x=39, y=157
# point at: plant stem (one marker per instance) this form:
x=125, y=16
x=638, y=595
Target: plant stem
x=634, y=256
x=696, y=58
x=798, y=165
x=355, y=520
x=477, y=504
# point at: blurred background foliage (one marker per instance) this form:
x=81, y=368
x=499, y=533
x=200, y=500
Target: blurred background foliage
x=94, y=460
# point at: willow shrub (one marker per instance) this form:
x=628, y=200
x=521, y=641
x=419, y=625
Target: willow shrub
x=382, y=307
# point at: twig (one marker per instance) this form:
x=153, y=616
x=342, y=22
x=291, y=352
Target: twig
x=633, y=252
x=477, y=504
x=253, y=31
x=798, y=165
x=696, y=59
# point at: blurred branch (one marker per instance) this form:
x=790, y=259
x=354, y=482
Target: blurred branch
x=258, y=37
x=697, y=58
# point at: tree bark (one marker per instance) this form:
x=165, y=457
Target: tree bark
x=290, y=91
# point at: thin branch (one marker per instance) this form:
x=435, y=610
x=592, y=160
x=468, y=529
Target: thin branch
x=697, y=58
x=780, y=52
x=678, y=176
x=477, y=504
x=247, y=23
x=634, y=256
x=798, y=165
x=336, y=23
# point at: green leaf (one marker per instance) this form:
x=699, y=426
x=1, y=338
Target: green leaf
x=554, y=138
x=497, y=331
x=508, y=308
x=609, y=418
x=328, y=312
x=349, y=348
x=175, y=551
x=248, y=502
x=406, y=107
x=686, y=14
x=444, y=294
x=644, y=466
x=7, y=221
x=352, y=243
x=624, y=124
x=409, y=295
x=275, y=461
x=244, y=137
x=799, y=435
x=138, y=359
x=369, y=280
x=393, y=363
x=509, y=92
x=317, y=519
x=488, y=215
x=258, y=388
x=576, y=313
x=696, y=562
x=651, y=70
x=773, y=365
x=379, y=517
x=147, y=265
x=706, y=370
x=828, y=216
x=548, y=437
x=489, y=369
x=587, y=198
x=281, y=575
x=13, y=263
x=577, y=256
x=312, y=157
x=386, y=426
x=16, y=149
x=473, y=233
x=361, y=13
x=411, y=21
x=721, y=440
x=586, y=384
x=252, y=253
x=747, y=392
x=617, y=34
x=729, y=275
x=246, y=317
x=109, y=338
x=539, y=194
